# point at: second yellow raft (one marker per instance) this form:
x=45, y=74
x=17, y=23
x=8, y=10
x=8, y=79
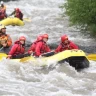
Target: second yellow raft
x=12, y=21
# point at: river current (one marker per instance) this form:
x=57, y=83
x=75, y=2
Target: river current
x=25, y=79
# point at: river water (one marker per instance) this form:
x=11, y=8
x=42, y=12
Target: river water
x=18, y=79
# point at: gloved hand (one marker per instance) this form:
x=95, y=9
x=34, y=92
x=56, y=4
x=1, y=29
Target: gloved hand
x=9, y=56
x=4, y=45
x=30, y=52
x=41, y=56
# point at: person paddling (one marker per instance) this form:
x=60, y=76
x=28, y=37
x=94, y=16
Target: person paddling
x=42, y=47
x=2, y=11
x=18, y=49
x=3, y=6
x=33, y=46
x=5, y=39
x=17, y=13
x=65, y=44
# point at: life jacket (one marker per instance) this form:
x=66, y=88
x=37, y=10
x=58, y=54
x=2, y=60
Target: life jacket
x=41, y=47
x=33, y=46
x=2, y=13
x=17, y=49
x=5, y=39
x=19, y=15
x=65, y=47
x=44, y=47
x=4, y=7
x=68, y=46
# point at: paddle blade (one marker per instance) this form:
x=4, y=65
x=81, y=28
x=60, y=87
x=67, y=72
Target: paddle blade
x=27, y=19
x=25, y=59
x=91, y=57
x=2, y=55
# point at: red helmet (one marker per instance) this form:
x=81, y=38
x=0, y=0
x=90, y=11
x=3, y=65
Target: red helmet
x=39, y=38
x=45, y=36
x=17, y=9
x=64, y=37
x=22, y=38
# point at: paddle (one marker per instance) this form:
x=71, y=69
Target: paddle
x=33, y=58
x=2, y=55
x=27, y=59
x=1, y=48
x=48, y=54
x=27, y=19
x=91, y=57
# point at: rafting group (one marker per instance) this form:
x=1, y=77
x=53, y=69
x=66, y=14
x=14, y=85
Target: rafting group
x=17, y=12
x=66, y=51
x=38, y=47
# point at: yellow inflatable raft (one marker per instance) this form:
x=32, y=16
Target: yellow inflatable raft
x=75, y=58
x=12, y=21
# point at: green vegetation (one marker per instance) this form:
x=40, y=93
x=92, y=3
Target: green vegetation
x=82, y=13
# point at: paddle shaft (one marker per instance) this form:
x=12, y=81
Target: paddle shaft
x=48, y=54
x=27, y=19
x=91, y=57
x=1, y=48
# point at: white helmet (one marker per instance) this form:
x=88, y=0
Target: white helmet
x=2, y=2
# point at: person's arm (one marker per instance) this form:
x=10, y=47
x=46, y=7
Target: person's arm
x=12, y=13
x=31, y=49
x=13, y=49
x=73, y=45
x=48, y=49
x=21, y=16
x=58, y=49
x=5, y=8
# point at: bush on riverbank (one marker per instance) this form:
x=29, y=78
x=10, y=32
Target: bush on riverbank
x=82, y=13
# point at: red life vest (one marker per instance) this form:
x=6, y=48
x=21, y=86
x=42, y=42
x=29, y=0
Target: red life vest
x=17, y=49
x=44, y=48
x=19, y=15
x=63, y=47
x=41, y=47
x=2, y=13
x=33, y=46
